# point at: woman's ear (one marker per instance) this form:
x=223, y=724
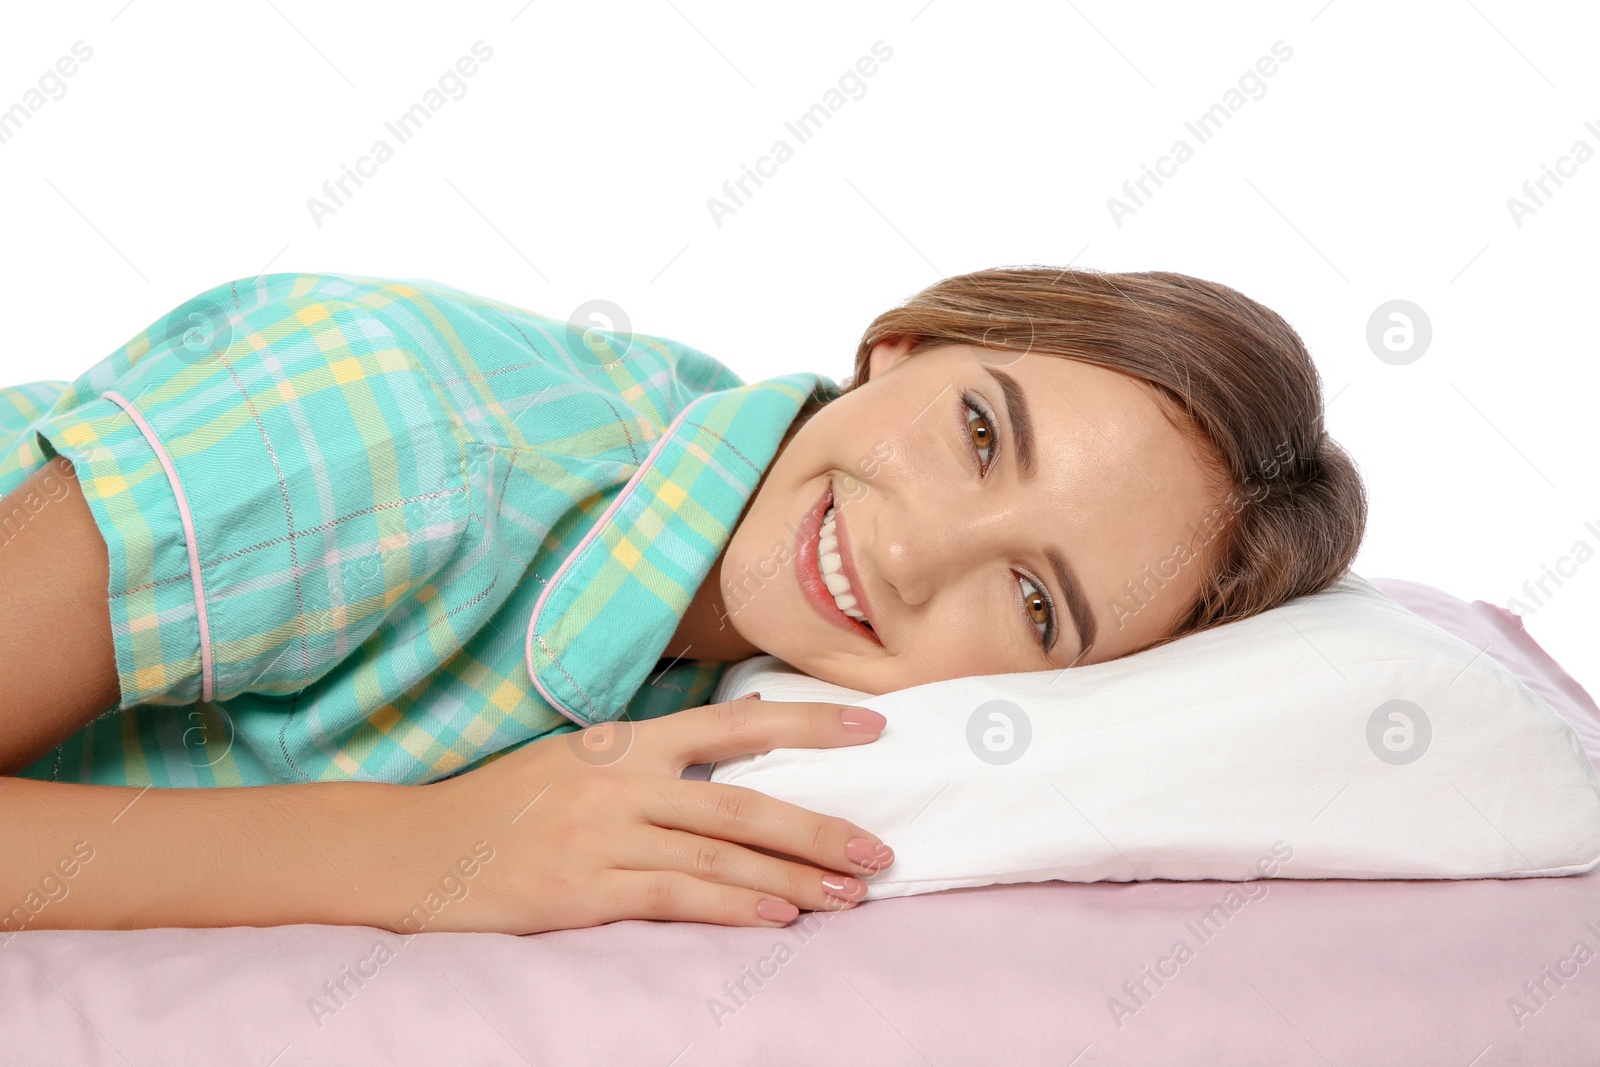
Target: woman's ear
x=887, y=354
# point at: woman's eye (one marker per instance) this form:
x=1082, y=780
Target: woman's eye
x=1039, y=609
x=981, y=433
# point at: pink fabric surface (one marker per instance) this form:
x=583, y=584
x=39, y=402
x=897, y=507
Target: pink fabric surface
x=1312, y=972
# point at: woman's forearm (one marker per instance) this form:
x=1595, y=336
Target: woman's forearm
x=113, y=857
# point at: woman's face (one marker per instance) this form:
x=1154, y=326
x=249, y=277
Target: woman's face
x=970, y=546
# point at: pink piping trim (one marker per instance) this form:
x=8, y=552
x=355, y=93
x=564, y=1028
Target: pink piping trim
x=627, y=491
x=207, y=687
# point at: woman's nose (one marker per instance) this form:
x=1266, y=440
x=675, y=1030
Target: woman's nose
x=919, y=547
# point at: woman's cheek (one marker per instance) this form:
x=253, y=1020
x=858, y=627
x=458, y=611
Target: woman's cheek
x=852, y=488
x=882, y=452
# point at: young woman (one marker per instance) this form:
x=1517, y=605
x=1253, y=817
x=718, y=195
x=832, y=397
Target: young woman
x=360, y=534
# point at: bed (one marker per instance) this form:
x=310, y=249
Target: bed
x=1477, y=973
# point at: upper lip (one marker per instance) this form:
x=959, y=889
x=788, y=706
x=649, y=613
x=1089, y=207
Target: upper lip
x=848, y=566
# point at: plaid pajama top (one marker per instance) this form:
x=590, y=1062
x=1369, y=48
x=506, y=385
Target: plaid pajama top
x=387, y=530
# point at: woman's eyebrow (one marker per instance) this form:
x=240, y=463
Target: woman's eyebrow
x=1021, y=422
x=1077, y=603
x=1017, y=414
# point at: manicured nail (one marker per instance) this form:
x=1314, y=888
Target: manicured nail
x=747, y=696
x=777, y=911
x=844, y=887
x=865, y=852
x=862, y=720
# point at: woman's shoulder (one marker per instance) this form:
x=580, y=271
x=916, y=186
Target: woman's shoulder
x=597, y=335
x=587, y=385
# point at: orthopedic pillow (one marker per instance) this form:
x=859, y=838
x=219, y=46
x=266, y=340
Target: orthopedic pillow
x=1336, y=736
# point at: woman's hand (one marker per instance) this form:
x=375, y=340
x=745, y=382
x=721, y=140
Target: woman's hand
x=593, y=826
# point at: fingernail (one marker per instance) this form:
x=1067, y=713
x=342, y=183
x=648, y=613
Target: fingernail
x=865, y=852
x=844, y=887
x=747, y=696
x=862, y=720
x=777, y=911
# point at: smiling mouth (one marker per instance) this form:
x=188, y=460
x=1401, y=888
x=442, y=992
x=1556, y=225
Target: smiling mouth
x=830, y=566
x=822, y=571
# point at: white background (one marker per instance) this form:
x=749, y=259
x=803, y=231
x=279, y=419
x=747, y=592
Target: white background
x=1377, y=165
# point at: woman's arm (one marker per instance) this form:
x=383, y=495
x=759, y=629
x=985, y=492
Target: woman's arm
x=555, y=835
x=92, y=856
x=120, y=857
x=58, y=667
x=546, y=837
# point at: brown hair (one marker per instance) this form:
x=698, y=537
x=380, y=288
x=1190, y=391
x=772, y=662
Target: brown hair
x=1229, y=372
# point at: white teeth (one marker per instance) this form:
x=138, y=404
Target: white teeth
x=830, y=564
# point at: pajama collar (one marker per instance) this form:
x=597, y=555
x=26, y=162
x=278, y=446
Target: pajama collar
x=631, y=578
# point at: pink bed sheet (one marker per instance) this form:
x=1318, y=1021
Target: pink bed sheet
x=1488, y=973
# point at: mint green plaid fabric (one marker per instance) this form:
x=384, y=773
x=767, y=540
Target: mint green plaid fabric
x=388, y=530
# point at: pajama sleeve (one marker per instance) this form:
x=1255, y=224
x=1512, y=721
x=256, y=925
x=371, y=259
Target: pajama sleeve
x=273, y=473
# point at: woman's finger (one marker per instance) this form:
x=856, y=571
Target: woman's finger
x=745, y=727
x=682, y=897
x=746, y=816
x=732, y=864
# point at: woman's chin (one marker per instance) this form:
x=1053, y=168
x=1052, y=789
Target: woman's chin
x=848, y=679
x=848, y=672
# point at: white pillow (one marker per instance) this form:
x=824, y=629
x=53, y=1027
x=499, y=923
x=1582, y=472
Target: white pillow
x=1267, y=747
